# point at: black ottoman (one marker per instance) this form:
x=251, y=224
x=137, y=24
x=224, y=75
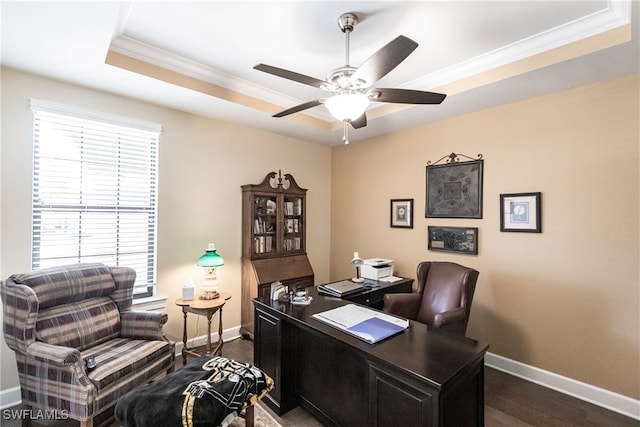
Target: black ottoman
x=203, y=393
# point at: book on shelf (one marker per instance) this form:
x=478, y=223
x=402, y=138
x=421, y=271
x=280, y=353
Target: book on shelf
x=262, y=244
x=293, y=207
x=365, y=323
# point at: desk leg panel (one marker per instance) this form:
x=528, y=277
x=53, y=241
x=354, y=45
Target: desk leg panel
x=462, y=403
x=332, y=379
x=397, y=400
x=274, y=353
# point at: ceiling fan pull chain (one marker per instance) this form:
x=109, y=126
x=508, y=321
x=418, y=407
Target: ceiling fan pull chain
x=345, y=135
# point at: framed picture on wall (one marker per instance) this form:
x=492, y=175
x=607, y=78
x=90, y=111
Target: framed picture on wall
x=454, y=190
x=453, y=239
x=402, y=213
x=521, y=212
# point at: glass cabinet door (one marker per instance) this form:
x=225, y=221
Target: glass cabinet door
x=293, y=227
x=265, y=224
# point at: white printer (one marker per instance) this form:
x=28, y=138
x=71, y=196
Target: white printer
x=376, y=268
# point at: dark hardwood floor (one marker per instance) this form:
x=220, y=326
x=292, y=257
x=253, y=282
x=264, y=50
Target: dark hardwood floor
x=509, y=402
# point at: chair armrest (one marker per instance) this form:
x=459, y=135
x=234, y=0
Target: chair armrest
x=403, y=305
x=65, y=364
x=57, y=355
x=142, y=325
x=449, y=317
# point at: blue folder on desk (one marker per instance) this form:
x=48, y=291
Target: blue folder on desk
x=375, y=329
x=363, y=322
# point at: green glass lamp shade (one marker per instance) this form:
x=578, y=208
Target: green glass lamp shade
x=210, y=257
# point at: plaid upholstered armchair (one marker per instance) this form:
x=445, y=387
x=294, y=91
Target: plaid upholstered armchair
x=56, y=319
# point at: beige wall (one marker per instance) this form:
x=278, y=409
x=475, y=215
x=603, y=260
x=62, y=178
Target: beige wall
x=202, y=165
x=566, y=300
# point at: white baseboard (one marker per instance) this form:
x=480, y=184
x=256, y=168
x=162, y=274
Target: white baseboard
x=604, y=398
x=10, y=397
x=227, y=335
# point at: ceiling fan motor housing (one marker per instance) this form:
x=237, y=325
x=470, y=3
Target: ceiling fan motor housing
x=347, y=22
x=340, y=80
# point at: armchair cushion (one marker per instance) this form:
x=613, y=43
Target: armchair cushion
x=120, y=357
x=79, y=324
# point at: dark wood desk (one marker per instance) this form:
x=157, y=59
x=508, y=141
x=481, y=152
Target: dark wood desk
x=419, y=377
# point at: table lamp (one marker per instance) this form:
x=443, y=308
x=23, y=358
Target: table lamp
x=210, y=260
x=357, y=262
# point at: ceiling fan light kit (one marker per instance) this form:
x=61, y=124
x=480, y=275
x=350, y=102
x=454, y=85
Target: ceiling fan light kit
x=351, y=86
x=347, y=106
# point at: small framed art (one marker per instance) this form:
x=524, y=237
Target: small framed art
x=402, y=213
x=521, y=212
x=453, y=239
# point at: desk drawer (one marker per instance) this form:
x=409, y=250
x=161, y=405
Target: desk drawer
x=369, y=299
x=375, y=297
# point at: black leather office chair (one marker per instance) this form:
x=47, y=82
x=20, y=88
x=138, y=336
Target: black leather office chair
x=443, y=299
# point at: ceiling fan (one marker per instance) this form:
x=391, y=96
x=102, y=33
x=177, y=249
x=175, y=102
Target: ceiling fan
x=351, y=87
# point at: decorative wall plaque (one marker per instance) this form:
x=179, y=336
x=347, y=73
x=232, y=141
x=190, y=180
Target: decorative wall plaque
x=454, y=189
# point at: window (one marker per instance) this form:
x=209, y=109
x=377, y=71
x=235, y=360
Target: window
x=94, y=191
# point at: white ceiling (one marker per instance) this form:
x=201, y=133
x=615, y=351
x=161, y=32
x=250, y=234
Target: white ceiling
x=480, y=53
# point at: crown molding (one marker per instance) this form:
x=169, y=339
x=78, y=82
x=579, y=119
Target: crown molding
x=617, y=14
x=136, y=49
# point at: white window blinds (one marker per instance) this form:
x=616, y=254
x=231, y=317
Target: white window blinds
x=94, y=191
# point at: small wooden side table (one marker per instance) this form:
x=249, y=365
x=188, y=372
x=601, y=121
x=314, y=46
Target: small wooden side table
x=206, y=308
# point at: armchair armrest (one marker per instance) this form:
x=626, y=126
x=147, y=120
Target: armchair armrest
x=65, y=378
x=65, y=364
x=56, y=355
x=142, y=325
x=449, y=317
x=403, y=305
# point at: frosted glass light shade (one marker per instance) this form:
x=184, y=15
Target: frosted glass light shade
x=347, y=106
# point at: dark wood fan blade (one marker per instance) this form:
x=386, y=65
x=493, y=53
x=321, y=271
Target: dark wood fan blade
x=291, y=75
x=298, y=108
x=406, y=96
x=360, y=122
x=385, y=60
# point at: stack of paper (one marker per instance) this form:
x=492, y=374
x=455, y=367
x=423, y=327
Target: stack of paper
x=365, y=323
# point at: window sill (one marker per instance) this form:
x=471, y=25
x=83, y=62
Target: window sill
x=157, y=303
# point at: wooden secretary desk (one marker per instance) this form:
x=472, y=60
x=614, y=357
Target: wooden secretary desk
x=273, y=240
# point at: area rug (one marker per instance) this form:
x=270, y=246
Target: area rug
x=262, y=418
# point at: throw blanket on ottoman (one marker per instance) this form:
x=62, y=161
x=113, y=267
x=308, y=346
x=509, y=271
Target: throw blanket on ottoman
x=203, y=393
